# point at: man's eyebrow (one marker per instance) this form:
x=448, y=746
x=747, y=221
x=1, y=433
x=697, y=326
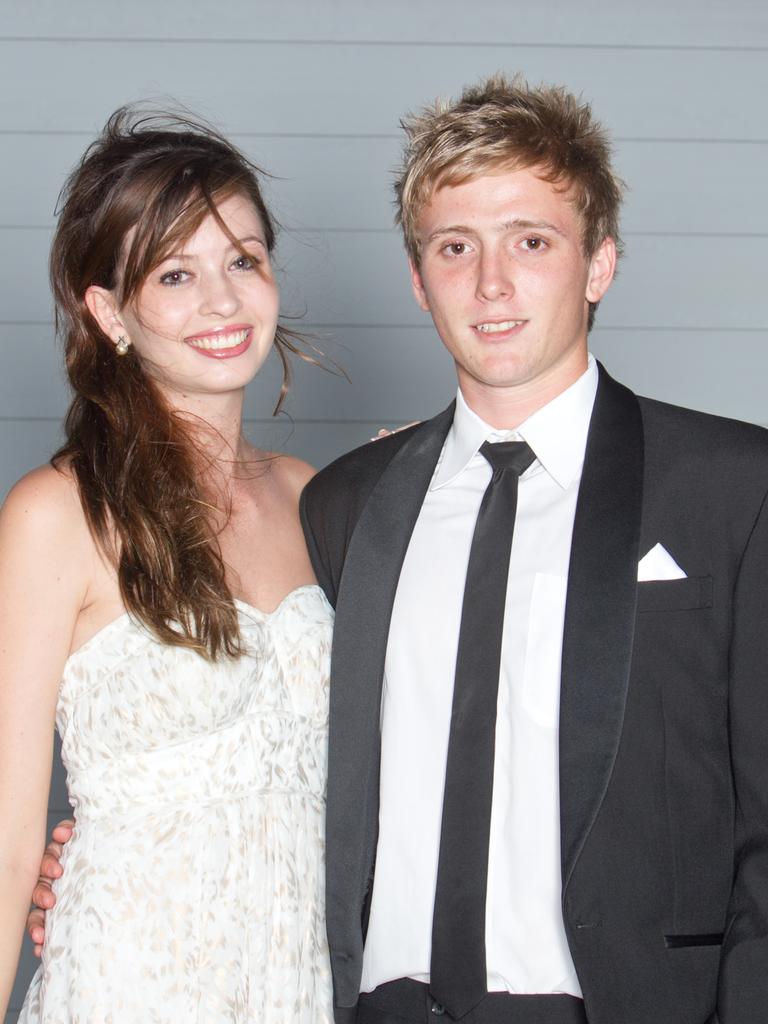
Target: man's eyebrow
x=450, y=229
x=519, y=223
x=516, y=224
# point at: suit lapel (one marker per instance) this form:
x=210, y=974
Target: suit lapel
x=363, y=611
x=600, y=611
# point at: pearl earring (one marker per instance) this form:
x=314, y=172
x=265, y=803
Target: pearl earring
x=122, y=345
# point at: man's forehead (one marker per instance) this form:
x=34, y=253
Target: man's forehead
x=521, y=189
x=458, y=174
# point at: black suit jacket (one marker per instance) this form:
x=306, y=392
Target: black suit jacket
x=663, y=709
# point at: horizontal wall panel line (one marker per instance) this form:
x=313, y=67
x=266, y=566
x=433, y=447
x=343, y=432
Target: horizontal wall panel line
x=429, y=326
x=687, y=140
x=427, y=43
x=299, y=231
x=650, y=139
x=655, y=329
x=723, y=103
x=689, y=234
x=90, y=134
x=283, y=420
x=305, y=327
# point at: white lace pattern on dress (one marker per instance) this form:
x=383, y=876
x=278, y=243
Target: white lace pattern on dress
x=193, y=888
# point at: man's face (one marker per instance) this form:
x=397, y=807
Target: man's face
x=504, y=275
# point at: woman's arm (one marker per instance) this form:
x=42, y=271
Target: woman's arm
x=43, y=582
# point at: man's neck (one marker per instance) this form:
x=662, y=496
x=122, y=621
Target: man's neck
x=505, y=408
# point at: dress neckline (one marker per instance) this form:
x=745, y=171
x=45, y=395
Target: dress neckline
x=249, y=609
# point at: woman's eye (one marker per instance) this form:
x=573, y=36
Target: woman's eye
x=174, y=277
x=244, y=263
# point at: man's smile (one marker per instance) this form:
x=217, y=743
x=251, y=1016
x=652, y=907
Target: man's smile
x=500, y=327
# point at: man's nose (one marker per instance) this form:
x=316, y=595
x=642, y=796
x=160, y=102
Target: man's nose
x=494, y=276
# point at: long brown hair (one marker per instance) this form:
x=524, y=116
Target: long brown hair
x=135, y=460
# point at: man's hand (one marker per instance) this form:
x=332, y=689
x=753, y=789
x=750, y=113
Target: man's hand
x=385, y=431
x=50, y=869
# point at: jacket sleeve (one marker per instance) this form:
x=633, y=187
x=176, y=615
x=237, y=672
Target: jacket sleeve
x=743, y=986
x=311, y=513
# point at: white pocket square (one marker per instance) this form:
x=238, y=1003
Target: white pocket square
x=658, y=564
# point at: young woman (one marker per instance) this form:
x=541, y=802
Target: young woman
x=157, y=602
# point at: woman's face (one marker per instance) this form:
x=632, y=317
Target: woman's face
x=204, y=320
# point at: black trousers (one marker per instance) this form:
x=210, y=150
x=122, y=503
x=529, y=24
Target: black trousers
x=404, y=1001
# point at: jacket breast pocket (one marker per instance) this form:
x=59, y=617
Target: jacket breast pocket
x=675, y=595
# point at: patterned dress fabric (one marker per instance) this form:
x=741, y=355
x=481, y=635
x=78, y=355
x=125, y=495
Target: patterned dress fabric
x=193, y=888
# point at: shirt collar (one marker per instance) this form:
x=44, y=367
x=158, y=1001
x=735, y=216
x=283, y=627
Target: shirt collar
x=557, y=433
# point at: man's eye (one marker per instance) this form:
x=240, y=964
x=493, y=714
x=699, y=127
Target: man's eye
x=456, y=248
x=534, y=244
x=174, y=277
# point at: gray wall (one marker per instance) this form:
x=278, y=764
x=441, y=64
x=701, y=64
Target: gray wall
x=313, y=89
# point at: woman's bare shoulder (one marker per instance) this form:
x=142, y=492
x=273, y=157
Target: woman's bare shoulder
x=45, y=490
x=290, y=473
x=45, y=503
x=297, y=472
x=47, y=559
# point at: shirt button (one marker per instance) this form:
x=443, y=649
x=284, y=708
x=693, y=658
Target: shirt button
x=438, y=1009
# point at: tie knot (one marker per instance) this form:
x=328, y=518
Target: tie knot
x=514, y=455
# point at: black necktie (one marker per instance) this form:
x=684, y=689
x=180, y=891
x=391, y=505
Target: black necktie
x=458, y=969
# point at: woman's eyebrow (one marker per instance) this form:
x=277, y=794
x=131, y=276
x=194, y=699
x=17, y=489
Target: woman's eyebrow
x=181, y=255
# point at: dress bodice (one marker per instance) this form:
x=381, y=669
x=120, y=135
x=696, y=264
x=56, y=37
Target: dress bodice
x=144, y=723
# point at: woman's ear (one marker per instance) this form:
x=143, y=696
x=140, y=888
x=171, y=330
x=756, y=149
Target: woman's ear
x=106, y=312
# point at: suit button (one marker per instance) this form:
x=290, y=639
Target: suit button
x=438, y=1009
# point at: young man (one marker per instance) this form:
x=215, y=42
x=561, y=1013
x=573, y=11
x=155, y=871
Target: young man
x=548, y=786
x=547, y=798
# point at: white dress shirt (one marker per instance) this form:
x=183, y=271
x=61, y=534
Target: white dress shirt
x=526, y=947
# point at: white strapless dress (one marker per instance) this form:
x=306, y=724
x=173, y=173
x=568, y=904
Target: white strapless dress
x=193, y=887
